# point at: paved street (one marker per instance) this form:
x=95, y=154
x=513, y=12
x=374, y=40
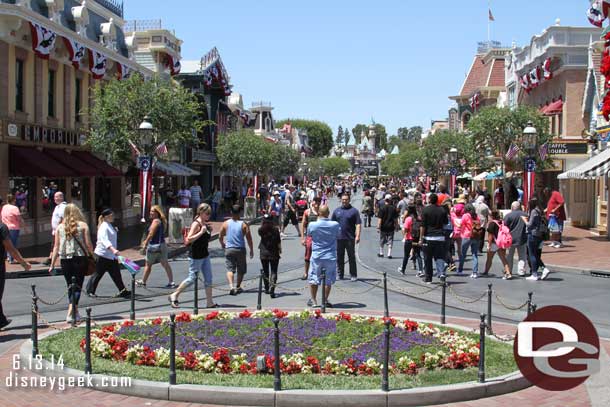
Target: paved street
x=407, y=295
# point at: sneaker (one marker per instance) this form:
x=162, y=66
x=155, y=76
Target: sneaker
x=558, y=245
x=124, y=293
x=311, y=303
x=420, y=274
x=451, y=267
x=545, y=273
x=532, y=278
x=92, y=295
x=239, y=290
x=401, y=271
x=140, y=283
x=473, y=275
x=328, y=305
x=389, y=257
x=353, y=279
x=379, y=255
x=171, y=285
x=522, y=273
x=232, y=291
x=5, y=323
x=551, y=244
x=272, y=295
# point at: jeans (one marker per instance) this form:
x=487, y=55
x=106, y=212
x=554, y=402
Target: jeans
x=533, y=244
x=74, y=267
x=350, y=246
x=199, y=265
x=434, y=250
x=521, y=255
x=214, y=210
x=102, y=266
x=408, y=245
x=13, y=235
x=270, y=273
x=417, y=256
x=474, y=247
x=195, y=204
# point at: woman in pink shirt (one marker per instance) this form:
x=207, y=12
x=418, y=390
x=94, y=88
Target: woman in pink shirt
x=11, y=217
x=469, y=222
x=410, y=230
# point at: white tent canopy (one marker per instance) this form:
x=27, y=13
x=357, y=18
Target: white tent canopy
x=594, y=167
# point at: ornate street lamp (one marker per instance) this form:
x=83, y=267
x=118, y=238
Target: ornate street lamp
x=146, y=131
x=530, y=143
x=453, y=161
x=145, y=164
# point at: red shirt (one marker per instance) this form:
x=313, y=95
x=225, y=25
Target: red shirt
x=555, y=201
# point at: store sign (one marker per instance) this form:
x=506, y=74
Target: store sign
x=45, y=135
x=567, y=148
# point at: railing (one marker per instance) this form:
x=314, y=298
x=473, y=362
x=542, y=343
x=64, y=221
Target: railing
x=115, y=6
x=261, y=104
x=142, y=25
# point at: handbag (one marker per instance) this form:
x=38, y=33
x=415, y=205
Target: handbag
x=477, y=231
x=90, y=259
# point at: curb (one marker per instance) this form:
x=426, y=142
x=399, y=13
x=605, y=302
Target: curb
x=577, y=270
x=245, y=396
x=44, y=272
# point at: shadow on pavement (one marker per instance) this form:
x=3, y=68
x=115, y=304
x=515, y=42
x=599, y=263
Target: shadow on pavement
x=348, y=305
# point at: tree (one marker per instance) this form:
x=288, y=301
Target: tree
x=414, y=134
x=334, y=166
x=358, y=130
x=242, y=151
x=402, y=164
x=402, y=133
x=436, y=147
x=346, y=136
x=382, y=136
x=284, y=161
x=339, y=139
x=319, y=133
x=120, y=107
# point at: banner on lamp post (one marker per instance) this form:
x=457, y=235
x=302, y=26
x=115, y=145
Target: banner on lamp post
x=290, y=179
x=529, y=181
x=255, y=185
x=145, y=164
x=453, y=173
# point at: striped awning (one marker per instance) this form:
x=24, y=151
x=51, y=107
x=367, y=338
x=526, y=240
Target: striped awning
x=595, y=167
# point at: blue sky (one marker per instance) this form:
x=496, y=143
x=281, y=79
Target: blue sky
x=347, y=61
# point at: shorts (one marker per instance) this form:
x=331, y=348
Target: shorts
x=308, y=246
x=386, y=237
x=290, y=216
x=157, y=257
x=315, y=271
x=200, y=265
x=493, y=247
x=235, y=260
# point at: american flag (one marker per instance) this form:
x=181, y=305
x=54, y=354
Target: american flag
x=161, y=149
x=543, y=150
x=512, y=151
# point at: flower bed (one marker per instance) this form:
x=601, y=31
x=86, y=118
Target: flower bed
x=310, y=343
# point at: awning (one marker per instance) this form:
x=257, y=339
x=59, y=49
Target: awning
x=31, y=162
x=174, y=169
x=102, y=168
x=495, y=175
x=554, y=108
x=79, y=167
x=594, y=167
x=465, y=175
x=481, y=177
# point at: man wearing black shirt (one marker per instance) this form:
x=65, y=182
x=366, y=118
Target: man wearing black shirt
x=387, y=225
x=432, y=237
x=7, y=246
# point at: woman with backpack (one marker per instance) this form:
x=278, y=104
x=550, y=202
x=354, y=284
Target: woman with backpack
x=198, y=239
x=536, y=229
x=410, y=230
x=498, y=240
x=472, y=233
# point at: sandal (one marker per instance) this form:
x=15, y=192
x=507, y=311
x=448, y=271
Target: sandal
x=174, y=303
x=140, y=283
x=213, y=306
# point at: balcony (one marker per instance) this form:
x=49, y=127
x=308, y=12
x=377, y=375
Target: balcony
x=142, y=25
x=114, y=6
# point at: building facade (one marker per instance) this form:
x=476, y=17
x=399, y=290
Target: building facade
x=52, y=53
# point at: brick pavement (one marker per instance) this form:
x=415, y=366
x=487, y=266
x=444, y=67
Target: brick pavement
x=38, y=397
x=583, y=250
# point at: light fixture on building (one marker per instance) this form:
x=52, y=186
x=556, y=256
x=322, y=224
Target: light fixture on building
x=530, y=138
x=453, y=155
x=146, y=131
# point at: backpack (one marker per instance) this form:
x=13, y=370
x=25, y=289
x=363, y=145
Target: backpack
x=504, y=239
x=415, y=228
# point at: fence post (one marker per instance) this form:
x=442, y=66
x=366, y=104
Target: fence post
x=529, y=303
x=443, y=298
x=277, y=378
x=385, y=383
x=73, y=300
x=132, y=310
x=196, y=296
x=323, y=290
x=259, y=305
x=482, y=349
x=386, y=310
x=34, y=321
x=489, y=291
x=88, y=341
x=172, y=349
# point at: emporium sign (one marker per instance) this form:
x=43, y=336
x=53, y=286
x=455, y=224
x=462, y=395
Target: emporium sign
x=44, y=135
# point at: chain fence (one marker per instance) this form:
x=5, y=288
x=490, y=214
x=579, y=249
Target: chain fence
x=463, y=299
x=425, y=290
x=51, y=303
x=510, y=307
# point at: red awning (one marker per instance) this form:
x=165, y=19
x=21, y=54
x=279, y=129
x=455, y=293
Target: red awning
x=554, y=108
x=31, y=162
x=79, y=167
x=102, y=168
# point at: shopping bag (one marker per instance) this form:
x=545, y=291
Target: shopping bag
x=553, y=224
x=130, y=265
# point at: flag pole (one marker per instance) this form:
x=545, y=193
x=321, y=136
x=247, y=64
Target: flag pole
x=488, y=24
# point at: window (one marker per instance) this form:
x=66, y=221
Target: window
x=553, y=126
x=560, y=124
x=77, y=100
x=51, y=101
x=19, y=86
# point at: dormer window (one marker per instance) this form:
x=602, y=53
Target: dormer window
x=108, y=35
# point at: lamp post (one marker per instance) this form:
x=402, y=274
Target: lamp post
x=530, y=142
x=453, y=161
x=145, y=164
x=416, y=163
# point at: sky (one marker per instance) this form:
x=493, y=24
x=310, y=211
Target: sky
x=352, y=61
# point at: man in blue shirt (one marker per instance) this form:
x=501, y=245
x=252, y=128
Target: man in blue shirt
x=350, y=221
x=324, y=234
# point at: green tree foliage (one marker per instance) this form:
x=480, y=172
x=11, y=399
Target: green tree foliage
x=320, y=134
x=120, y=107
x=382, y=136
x=346, y=136
x=357, y=131
x=339, y=139
x=436, y=147
x=334, y=166
x=494, y=129
x=285, y=161
x=402, y=164
x=412, y=134
x=313, y=166
x=402, y=133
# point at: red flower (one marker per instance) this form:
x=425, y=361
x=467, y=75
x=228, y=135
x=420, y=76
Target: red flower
x=410, y=326
x=314, y=363
x=245, y=314
x=279, y=313
x=82, y=344
x=212, y=315
x=127, y=323
x=157, y=321
x=392, y=321
x=318, y=314
x=183, y=317
x=343, y=317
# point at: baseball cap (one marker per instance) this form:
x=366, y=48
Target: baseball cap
x=276, y=193
x=388, y=197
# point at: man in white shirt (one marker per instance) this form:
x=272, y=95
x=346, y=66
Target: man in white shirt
x=57, y=217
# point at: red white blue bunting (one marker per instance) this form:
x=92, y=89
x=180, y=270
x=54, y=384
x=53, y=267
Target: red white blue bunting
x=97, y=64
x=76, y=50
x=536, y=76
x=123, y=71
x=43, y=40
